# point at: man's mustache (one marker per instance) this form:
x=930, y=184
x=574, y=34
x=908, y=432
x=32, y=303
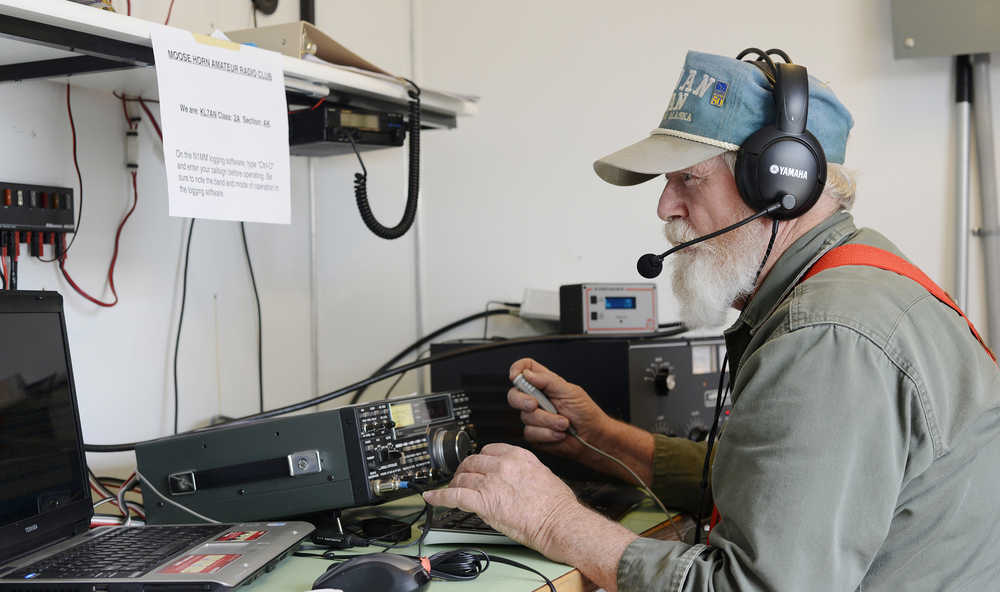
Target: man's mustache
x=679, y=231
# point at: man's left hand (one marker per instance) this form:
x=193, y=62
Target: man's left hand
x=514, y=493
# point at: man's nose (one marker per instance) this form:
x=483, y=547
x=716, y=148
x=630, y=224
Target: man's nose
x=670, y=205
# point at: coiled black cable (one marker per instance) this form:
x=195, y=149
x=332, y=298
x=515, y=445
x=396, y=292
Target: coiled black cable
x=413, y=182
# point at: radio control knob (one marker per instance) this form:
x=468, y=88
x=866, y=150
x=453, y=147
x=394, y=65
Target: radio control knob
x=697, y=433
x=449, y=448
x=665, y=381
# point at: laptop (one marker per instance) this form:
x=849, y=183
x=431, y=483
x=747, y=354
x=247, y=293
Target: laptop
x=45, y=504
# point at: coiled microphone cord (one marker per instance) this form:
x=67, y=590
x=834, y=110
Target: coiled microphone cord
x=413, y=181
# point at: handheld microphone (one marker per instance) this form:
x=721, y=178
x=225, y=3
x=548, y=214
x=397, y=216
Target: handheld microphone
x=650, y=265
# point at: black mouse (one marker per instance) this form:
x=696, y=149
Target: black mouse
x=377, y=571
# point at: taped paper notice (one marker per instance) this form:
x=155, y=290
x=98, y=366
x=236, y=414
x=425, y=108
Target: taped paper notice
x=225, y=128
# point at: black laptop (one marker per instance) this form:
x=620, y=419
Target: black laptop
x=45, y=504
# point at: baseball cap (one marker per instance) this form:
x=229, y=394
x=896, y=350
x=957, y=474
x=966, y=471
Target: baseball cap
x=718, y=103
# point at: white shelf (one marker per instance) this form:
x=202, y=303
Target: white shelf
x=101, y=39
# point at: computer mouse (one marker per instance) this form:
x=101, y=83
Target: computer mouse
x=378, y=571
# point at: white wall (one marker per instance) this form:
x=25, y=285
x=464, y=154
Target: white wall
x=122, y=355
x=509, y=199
x=564, y=82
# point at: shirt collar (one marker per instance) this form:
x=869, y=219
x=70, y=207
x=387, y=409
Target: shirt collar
x=792, y=264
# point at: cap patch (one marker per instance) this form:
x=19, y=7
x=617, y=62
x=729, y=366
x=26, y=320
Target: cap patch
x=688, y=84
x=719, y=94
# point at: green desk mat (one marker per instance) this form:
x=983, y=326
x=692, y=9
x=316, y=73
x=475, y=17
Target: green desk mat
x=298, y=573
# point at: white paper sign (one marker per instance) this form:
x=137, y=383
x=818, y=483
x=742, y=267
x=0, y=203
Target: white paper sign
x=225, y=128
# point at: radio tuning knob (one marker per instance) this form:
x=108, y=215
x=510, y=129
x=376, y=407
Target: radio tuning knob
x=449, y=448
x=697, y=433
x=665, y=380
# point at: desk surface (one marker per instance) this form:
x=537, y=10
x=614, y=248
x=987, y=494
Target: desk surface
x=298, y=573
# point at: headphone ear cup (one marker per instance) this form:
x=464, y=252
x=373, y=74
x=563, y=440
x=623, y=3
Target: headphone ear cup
x=771, y=164
x=747, y=165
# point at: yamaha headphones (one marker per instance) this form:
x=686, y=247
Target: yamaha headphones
x=782, y=159
x=780, y=169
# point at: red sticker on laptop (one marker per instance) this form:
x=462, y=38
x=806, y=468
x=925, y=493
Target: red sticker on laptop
x=199, y=564
x=241, y=536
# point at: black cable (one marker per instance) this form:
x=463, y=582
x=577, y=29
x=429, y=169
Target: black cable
x=413, y=182
x=486, y=320
x=457, y=565
x=260, y=323
x=124, y=447
x=180, y=322
x=420, y=342
x=767, y=253
x=388, y=393
x=719, y=404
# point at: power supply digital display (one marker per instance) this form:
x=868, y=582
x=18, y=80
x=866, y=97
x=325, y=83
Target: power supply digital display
x=619, y=302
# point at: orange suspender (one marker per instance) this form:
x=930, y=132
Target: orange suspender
x=855, y=254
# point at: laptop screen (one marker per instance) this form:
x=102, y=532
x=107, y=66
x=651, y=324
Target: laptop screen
x=40, y=458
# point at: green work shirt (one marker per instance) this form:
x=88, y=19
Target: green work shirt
x=863, y=448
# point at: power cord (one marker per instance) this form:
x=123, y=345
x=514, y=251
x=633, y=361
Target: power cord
x=147, y=483
x=351, y=388
x=180, y=322
x=486, y=320
x=260, y=322
x=426, y=339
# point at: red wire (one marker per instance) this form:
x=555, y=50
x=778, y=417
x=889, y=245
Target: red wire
x=129, y=4
x=128, y=121
x=152, y=119
x=169, y=10
x=6, y=272
x=114, y=256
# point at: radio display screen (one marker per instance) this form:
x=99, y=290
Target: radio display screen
x=626, y=302
x=419, y=412
x=361, y=121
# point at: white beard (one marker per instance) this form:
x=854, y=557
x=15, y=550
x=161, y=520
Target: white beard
x=709, y=277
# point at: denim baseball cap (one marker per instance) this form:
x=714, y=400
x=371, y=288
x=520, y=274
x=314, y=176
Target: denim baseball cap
x=718, y=103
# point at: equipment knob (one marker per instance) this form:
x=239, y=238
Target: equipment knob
x=449, y=448
x=698, y=433
x=665, y=380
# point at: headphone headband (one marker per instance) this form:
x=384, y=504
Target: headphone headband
x=791, y=98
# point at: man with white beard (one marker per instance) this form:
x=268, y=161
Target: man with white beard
x=864, y=440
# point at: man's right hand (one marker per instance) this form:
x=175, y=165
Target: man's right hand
x=546, y=430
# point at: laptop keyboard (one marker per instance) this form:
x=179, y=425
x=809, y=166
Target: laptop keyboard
x=124, y=553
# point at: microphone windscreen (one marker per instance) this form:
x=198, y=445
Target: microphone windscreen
x=649, y=266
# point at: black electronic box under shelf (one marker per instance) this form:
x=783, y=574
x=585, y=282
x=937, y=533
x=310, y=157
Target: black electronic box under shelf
x=36, y=208
x=323, y=130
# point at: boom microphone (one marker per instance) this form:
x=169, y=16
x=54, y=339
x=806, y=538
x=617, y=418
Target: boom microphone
x=650, y=265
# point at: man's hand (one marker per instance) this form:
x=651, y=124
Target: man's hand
x=546, y=430
x=519, y=496
x=512, y=491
